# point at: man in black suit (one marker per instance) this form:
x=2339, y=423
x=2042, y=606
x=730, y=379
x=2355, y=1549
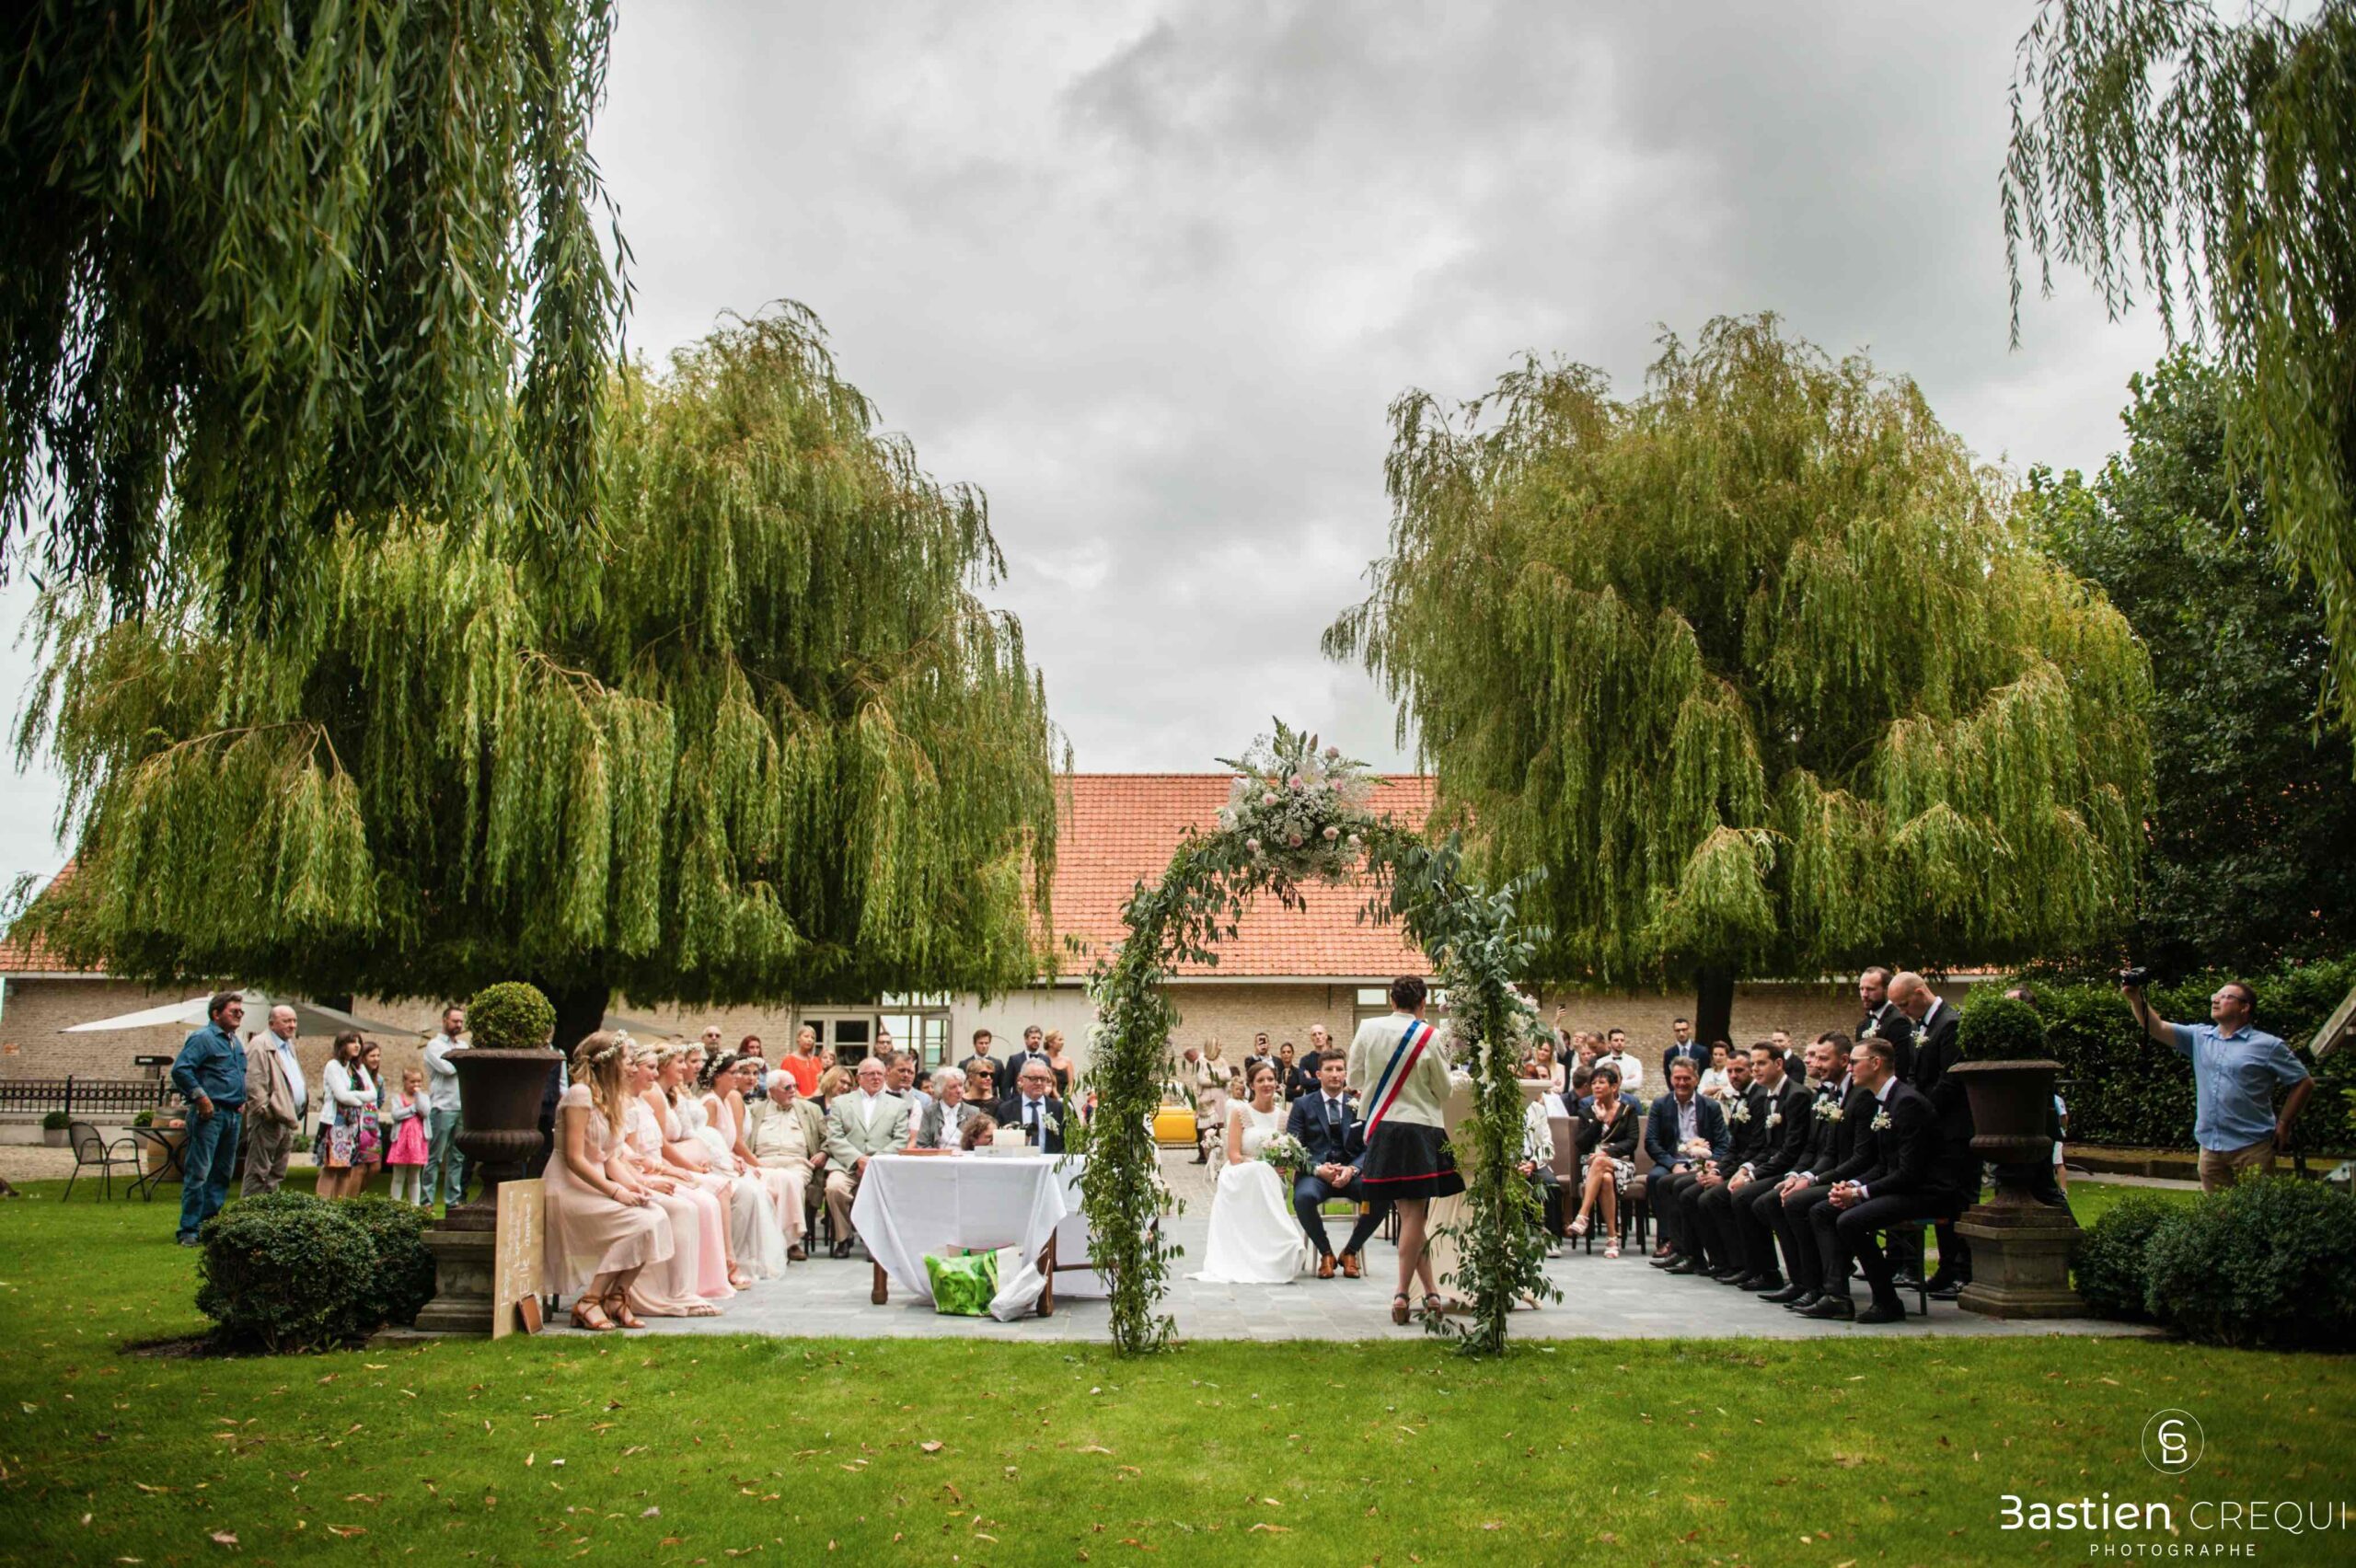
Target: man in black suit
x=1905, y=1185
x=1686, y=1134
x=1807, y=1143
x=1751, y=1189
x=1706, y=1202
x=1882, y=1019
x=1683, y=1048
x=1936, y=1052
x=1758, y=1135
x=1840, y=1153
x=1034, y=1107
x=1335, y=1140
x=1031, y=1052
x=983, y=1059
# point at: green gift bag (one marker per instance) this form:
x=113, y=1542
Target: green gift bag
x=962, y=1285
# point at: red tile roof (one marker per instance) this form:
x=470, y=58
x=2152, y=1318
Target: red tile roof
x=33, y=956
x=1119, y=830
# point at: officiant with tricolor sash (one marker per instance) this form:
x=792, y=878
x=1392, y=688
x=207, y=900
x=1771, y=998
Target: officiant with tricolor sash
x=1401, y=1070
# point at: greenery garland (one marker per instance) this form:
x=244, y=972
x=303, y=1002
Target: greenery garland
x=1299, y=815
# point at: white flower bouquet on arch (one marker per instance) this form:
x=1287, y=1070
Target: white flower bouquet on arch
x=1298, y=808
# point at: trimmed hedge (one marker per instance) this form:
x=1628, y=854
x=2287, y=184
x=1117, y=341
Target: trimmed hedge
x=1995, y=1027
x=510, y=1016
x=289, y=1273
x=2126, y=1087
x=2270, y=1262
x=2110, y=1265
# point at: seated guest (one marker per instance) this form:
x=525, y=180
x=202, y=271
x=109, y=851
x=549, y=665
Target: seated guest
x=1717, y=1078
x=1712, y=1203
x=1034, y=1107
x=1582, y=1086
x=1544, y=1067
x=786, y=1132
x=1328, y=1128
x=900, y=1078
x=942, y=1126
x=981, y=1088
x=1843, y=1107
x=1685, y=1135
x=1537, y=1166
x=1907, y=1181
x=696, y=1275
x=1607, y=1124
x=979, y=1128
x=752, y=1055
x=859, y=1125
x=1751, y=1233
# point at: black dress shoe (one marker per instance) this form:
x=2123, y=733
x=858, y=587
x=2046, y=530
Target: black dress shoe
x=1684, y=1266
x=1877, y=1313
x=1783, y=1294
x=1831, y=1310
x=1730, y=1277
x=1950, y=1291
x=1803, y=1301
x=1760, y=1284
x=839, y=1249
x=1668, y=1260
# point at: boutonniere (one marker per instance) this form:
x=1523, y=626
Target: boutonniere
x=1829, y=1110
x=1922, y=1038
x=1775, y=1118
x=1741, y=1112
x=1051, y=1122
x=1881, y=1120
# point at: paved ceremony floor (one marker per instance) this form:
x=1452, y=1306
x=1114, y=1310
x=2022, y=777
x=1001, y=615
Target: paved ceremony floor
x=1621, y=1300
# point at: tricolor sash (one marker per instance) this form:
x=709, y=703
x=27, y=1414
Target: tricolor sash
x=1403, y=1058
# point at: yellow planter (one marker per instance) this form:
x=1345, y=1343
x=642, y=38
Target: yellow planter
x=1173, y=1127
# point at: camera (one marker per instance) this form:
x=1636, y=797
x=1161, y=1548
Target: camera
x=2136, y=975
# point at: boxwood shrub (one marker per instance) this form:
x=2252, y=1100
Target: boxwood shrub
x=288, y=1271
x=510, y=1016
x=2112, y=1274
x=2268, y=1262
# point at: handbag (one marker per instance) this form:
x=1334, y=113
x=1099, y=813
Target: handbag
x=338, y=1154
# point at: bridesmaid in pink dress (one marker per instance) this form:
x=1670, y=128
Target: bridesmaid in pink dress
x=684, y=1155
x=677, y=1287
x=600, y=1233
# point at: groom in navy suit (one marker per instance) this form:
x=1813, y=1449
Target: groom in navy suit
x=1335, y=1140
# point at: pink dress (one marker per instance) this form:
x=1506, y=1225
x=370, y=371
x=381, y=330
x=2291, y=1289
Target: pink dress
x=697, y=1268
x=590, y=1234
x=409, y=1142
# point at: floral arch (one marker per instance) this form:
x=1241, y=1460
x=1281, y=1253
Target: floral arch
x=1298, y=814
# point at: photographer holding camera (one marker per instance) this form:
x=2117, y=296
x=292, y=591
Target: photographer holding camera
x=2234, y=1070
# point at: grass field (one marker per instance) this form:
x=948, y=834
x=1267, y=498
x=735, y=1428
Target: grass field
x=705, y=1451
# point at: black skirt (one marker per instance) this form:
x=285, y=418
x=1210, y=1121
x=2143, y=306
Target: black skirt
x=1408, y=1160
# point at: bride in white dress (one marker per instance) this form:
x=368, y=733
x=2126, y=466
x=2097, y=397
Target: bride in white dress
x=1254, y=1239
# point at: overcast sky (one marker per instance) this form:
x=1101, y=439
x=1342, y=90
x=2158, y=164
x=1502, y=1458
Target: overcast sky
x=1150, y=273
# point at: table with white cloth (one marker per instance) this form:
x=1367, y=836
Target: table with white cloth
x=910, y=1204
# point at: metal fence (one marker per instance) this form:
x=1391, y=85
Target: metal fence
x=85, y=1096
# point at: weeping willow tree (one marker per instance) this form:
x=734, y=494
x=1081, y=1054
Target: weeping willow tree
x=763, y=740
x=2214, y=164
x=271, y=269
x=1757, y=668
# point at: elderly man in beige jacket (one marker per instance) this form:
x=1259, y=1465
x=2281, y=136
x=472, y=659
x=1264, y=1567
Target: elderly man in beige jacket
x=276, y=1098
x=861, y=1124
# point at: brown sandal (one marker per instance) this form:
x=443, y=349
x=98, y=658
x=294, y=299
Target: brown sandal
x=619, y=1305
x=1399, y=1313
x=586, y=1315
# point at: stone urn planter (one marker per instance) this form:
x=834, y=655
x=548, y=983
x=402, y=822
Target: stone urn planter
x=498, y=1097
x=2020, y=1245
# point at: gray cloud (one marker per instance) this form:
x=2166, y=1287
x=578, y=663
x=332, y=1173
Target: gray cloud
x=1150, y=273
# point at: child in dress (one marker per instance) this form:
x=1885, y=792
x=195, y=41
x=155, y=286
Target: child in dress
x=406, y=1159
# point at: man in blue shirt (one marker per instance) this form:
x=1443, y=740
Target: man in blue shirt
x=2234, y=1070
x=210, y=1073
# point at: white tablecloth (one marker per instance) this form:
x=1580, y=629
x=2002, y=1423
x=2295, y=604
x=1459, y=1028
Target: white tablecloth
x=912, y=1205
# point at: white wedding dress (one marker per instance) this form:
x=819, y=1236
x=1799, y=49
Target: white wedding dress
x=1255, y=1237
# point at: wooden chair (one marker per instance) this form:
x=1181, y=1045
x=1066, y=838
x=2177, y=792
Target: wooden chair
x=90, y=1147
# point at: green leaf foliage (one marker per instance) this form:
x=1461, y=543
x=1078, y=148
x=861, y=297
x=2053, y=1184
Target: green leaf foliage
x=2212, y=165
x=760, y=738
x=287, y=1273
x=2252, y=831
x=402, y=1282
x=2123, y=1087
x=510, y=1016
x=2270, y=1263
x=276, y=268
x=2109, y=1266
x=1756, y=666
x=1997, y=1028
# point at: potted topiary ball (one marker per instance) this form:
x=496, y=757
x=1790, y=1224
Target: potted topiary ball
x=503, y=1074
x=2009, y=1080
x=53, y=1128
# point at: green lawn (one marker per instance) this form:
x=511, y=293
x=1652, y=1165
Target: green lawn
x=676, y=1451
